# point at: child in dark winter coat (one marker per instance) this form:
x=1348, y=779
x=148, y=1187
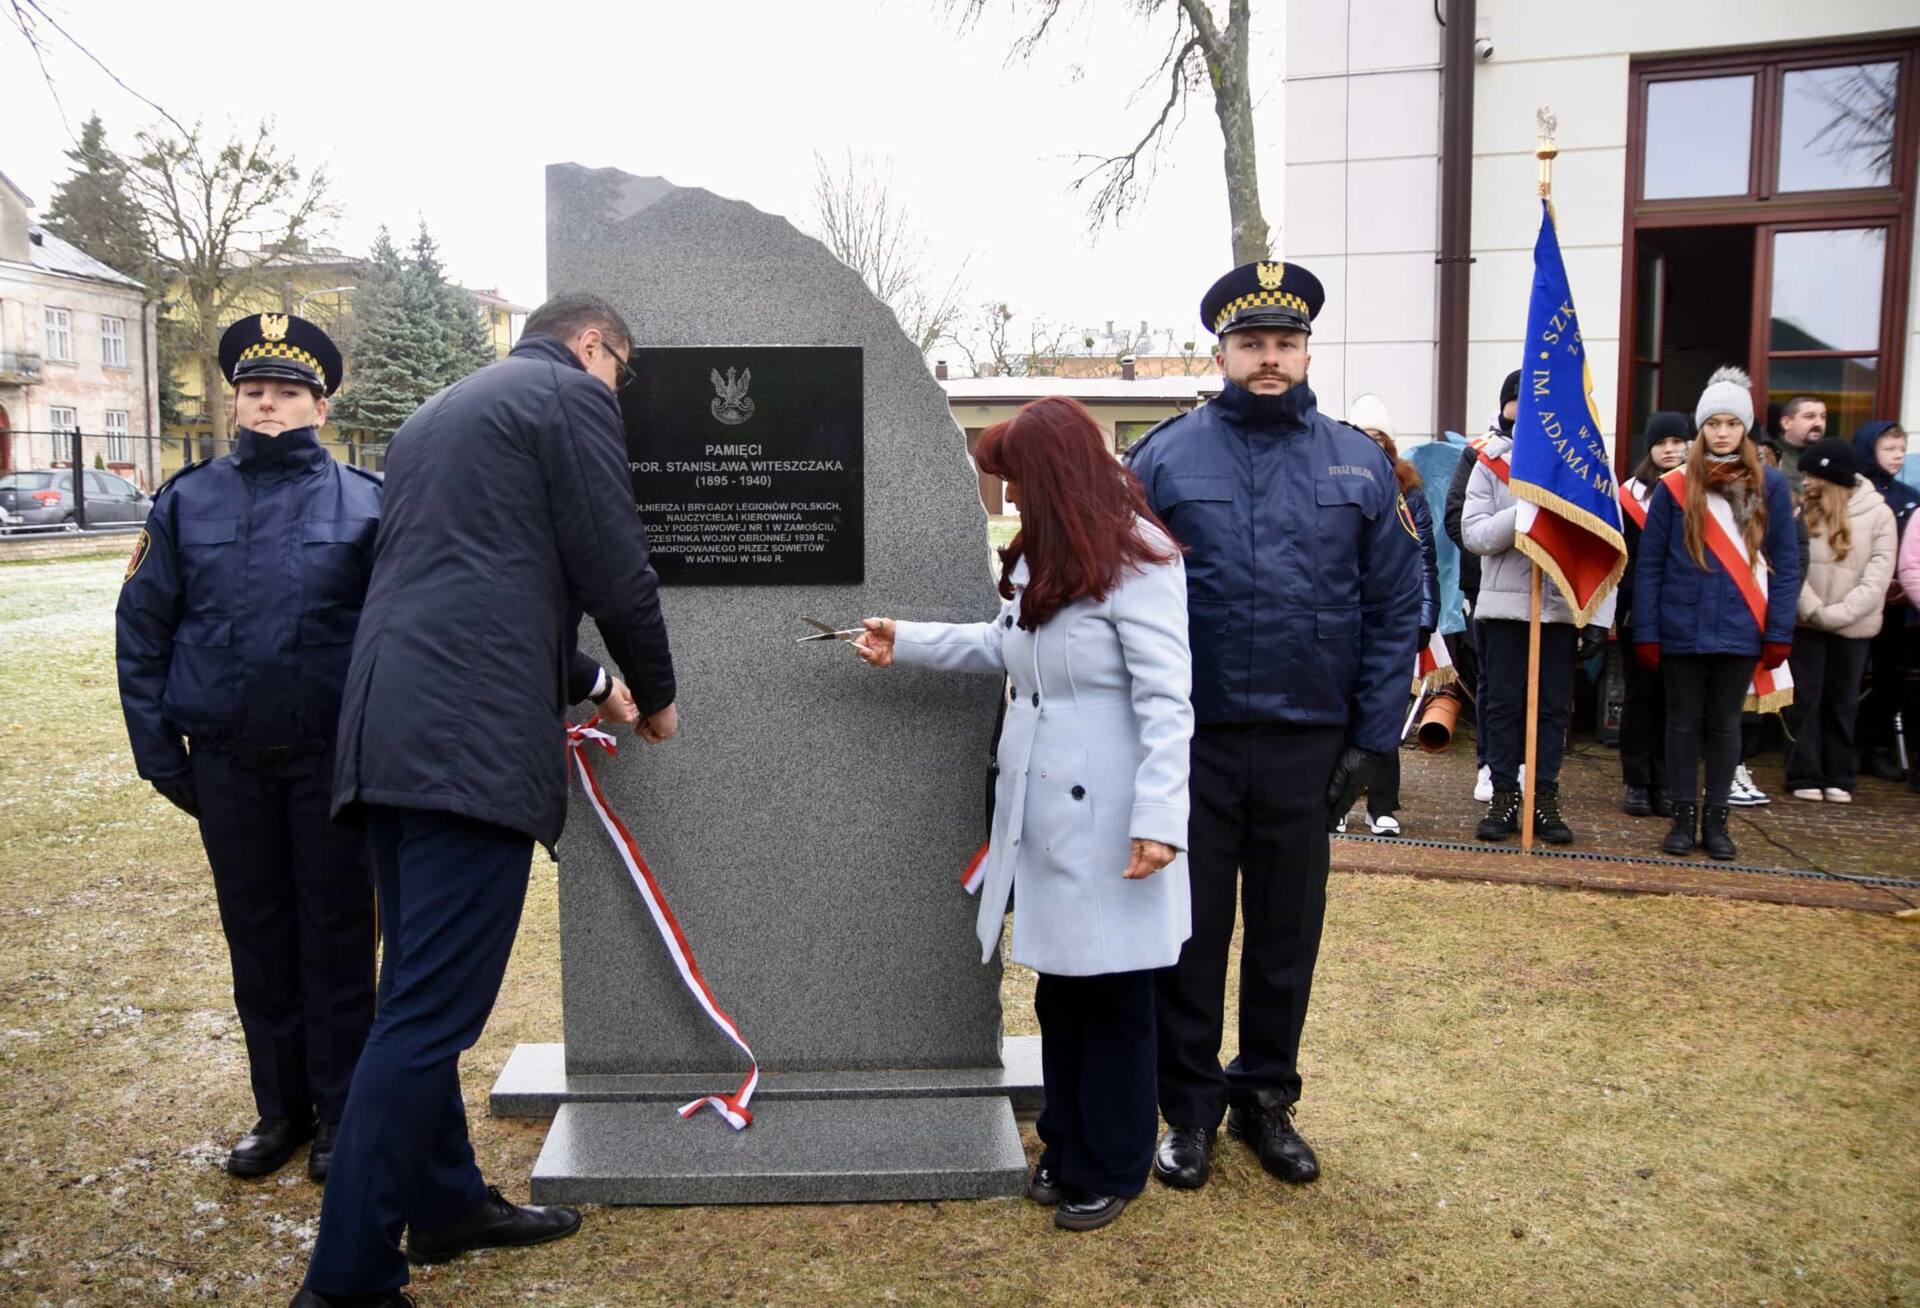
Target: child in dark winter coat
x=1714, y=594
x=1894, y=654
x=1643, y=714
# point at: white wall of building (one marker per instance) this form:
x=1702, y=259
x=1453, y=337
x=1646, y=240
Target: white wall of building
x=1362, y=174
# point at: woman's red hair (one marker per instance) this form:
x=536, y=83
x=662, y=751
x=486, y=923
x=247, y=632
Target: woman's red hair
x=1079, y=507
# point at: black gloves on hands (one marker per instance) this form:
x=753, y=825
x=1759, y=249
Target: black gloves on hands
x=1352, y=774
x=1593, y=639
x=1426, y=639
x=178, y=791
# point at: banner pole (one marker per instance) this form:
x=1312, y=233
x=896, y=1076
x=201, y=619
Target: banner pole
x=1533, y=710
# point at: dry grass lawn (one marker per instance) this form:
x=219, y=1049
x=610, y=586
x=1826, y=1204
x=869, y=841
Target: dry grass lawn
x=1521, y=1096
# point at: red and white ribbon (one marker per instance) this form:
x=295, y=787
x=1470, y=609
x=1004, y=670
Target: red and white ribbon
x=733, y=1107
x=976, y=870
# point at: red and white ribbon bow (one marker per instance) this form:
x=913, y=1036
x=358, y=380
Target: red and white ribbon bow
x=733, y=1107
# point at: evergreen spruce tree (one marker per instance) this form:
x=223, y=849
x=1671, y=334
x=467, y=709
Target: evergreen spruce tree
x=92, y=210
x=394, y=357
x=463, y=337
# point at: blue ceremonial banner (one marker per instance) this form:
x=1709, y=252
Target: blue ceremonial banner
x=1569, y=518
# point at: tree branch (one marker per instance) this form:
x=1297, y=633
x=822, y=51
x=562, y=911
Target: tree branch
x=1117, y=193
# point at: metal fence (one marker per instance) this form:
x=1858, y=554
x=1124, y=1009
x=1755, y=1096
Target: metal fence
x=118, y=474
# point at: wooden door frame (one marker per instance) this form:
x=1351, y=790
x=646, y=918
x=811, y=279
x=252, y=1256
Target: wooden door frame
x=1892, y=206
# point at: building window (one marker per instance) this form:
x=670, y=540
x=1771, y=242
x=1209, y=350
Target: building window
x=119, y=442
x=62, y=421
x=113, y=342
x=60, y=335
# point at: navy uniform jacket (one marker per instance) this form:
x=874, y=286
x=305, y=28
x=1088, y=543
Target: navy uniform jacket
x=236, y=619
x=1303, y=578
x=509, y=513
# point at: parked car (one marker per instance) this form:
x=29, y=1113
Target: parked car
x=43, y=498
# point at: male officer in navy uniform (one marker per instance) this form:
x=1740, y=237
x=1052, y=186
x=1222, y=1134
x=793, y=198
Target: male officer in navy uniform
x=235, y=624
x=1303, y=600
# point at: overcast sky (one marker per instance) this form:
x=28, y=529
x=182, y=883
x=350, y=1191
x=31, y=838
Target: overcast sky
x=450, y=112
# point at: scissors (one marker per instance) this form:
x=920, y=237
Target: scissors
x=824, y=632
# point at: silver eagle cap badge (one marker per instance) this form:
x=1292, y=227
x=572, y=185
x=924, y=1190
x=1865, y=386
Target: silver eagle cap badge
x=730, y=403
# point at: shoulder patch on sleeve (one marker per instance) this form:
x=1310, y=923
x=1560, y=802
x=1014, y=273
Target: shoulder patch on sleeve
x=1405, y=514
x=142, y=546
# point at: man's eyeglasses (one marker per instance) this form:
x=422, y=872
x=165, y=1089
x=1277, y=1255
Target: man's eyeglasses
x=622, y=370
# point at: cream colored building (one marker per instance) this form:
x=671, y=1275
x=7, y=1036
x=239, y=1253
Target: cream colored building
x=1715, y=204
x=77, y=352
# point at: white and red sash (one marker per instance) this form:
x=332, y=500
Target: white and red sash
x=1772, y=688
x=1495, y=463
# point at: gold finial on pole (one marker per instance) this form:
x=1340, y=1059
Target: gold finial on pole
x=1544, y=149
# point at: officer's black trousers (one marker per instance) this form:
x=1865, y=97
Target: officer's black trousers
x=1096, y=1057
x=1643, y=727
x=1258, y=826
x=296, y=904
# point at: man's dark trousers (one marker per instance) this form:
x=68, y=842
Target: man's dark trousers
x=296, y=905
x=451, y=890
x=1259, y=825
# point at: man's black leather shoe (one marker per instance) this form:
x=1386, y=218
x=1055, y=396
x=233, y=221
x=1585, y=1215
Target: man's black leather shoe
x=1638, y=803
x=1269, y=1129
x=1184, y=1159
x=320, y=1157
x=1044, y=1186
x=493, y=1224
x=385, y=1299
x=265, y=1149
x=1089, y=1212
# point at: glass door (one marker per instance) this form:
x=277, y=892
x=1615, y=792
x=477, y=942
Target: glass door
x=1820, y=305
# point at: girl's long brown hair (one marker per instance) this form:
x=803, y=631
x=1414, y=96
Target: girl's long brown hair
x=1755, y=528
x=1825, y=509
x=1078, y=506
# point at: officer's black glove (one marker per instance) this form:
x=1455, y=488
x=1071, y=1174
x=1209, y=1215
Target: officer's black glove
x=178, y=791
x=1352, y=774
x=1426, y=639
x=1593, y=639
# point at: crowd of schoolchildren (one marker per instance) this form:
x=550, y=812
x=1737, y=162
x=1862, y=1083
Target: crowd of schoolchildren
x=1767, y=571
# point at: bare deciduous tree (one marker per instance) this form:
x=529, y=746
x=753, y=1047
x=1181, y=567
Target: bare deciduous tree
x=991, y=342
x=224, y=220
x=857, y=218
x=1200, y=51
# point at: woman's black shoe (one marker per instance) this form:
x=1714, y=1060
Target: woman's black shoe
x=1679, y=841
x=1503, y=816
x=1044, y=1186
x=1661, y=801
x=1713, y=833
x=265, y=1149
x=1639, y=803
x=1089, y=1212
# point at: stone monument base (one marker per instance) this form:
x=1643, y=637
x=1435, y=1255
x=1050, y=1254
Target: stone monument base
x=821, y=1137
x=802, y=1151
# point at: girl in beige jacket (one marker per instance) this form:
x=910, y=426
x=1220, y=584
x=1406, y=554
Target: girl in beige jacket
x=1852, y=537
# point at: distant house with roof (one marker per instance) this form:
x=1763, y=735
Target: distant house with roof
x=77, y=353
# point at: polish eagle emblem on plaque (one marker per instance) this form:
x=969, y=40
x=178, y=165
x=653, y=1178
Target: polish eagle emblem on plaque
x=730, y=403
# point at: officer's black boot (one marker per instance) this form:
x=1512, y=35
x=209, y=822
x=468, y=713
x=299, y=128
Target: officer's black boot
x=1713, y=833
x=266, y=1148
x=1503, y=815
x=1679, y=841
x=1266, y=1123
x=1547, y=822
x=1184, y=1158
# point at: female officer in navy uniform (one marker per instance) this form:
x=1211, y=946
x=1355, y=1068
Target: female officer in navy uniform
x=235, y=623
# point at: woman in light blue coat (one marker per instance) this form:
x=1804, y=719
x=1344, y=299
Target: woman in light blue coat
x=1090, y=814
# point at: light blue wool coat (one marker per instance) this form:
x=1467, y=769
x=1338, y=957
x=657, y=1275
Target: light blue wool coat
x=1093, y=756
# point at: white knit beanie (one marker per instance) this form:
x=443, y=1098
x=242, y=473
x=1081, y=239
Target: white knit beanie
x=1729, y=390
x=1369, y=413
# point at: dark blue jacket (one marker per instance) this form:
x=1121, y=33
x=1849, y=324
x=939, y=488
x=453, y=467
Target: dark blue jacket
x=1900, y=497
x=1303, y=580
x=509, y=513
x=1422, y=515
x=1685, y=610
x=237, y=614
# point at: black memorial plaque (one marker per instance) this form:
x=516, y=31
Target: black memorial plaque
x=748, y=463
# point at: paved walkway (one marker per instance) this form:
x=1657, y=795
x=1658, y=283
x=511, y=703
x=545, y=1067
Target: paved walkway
x=1784, y=848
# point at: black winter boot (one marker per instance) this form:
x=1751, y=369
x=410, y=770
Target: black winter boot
x=1713, y=833
x=1638, y=802
x=1662, y=803
x=1503, y=815
x=1679, y=841
x=1547, y=822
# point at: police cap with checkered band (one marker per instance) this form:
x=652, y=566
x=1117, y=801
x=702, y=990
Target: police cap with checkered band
x=283, y=346
x=1282, y=296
